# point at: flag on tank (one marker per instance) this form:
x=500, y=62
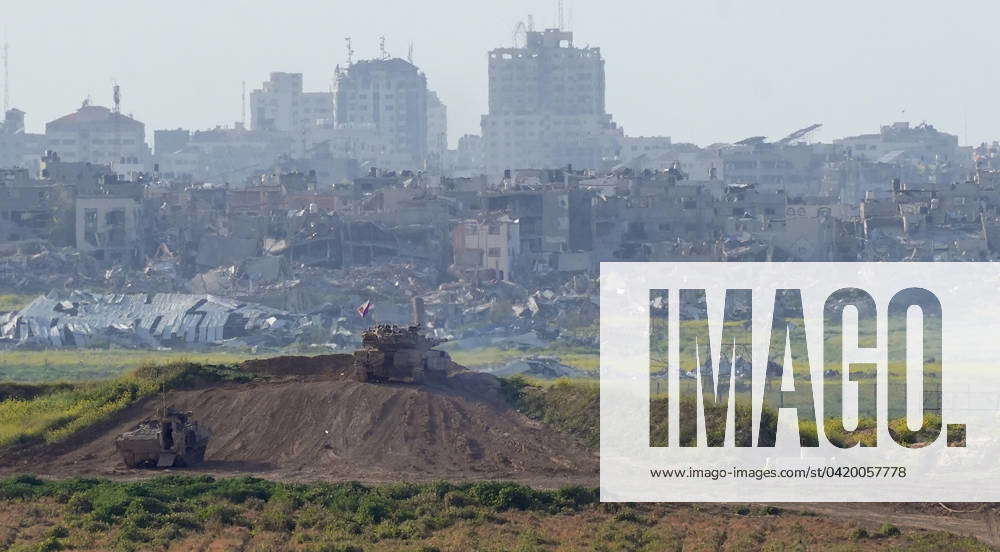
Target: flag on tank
x=365, y=308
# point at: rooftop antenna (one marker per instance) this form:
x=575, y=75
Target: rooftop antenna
x=383, y=54
x=350, y=52
x=409, y=54
x=6, y=73
x=560, y=15
x=243, y=112
x=116, y=96
x=520, y=37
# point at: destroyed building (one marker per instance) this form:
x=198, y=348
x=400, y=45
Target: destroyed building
x=324, y=201
x=30, y=209
x=18, y=148
x=144, y=320
x=489, y=243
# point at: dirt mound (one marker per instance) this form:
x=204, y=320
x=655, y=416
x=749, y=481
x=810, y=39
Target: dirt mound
x=314, y=428
x=299, y=365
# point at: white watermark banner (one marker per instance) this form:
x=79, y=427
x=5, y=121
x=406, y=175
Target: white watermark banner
x=800, y=382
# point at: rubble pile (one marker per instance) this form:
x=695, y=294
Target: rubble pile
x=38, y=267
x=464, y=310
x=537, y=366
x=83, y=319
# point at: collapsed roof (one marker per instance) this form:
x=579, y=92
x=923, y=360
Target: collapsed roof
x=160, y=319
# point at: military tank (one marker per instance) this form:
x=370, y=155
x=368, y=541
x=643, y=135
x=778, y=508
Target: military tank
x=391, y=353
x=172, y=440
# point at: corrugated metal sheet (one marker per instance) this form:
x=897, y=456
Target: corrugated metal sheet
x=157, y=319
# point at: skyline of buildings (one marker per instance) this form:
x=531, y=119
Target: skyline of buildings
x=546, y=109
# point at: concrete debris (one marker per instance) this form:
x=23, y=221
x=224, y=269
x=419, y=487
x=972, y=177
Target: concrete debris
x=146, y=320
x=486, y=257
x=544, y=367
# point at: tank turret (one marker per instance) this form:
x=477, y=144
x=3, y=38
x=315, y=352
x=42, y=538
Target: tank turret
x=400, y=354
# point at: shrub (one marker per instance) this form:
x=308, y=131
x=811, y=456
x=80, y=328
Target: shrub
x=58, y=532
x=240, y=489
x=21, y=487
x=373, y=509
x=79, y=504
x=502, y=496
x=278, y=516
x=222, y=514
x=888, y=530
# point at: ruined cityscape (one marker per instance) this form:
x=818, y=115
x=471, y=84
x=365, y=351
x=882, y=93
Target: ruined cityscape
x=273, y=231
x=332, y=325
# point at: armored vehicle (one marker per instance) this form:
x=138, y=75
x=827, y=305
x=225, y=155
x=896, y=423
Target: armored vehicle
x=173, y=440
x=391, y=353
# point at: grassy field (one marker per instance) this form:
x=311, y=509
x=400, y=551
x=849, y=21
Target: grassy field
x=14, y=301
x=95, y=364
x=581, y=358
x=201, y=513
x=50, y=412
x=54, y=412
x=573, y=406
x=587, y=360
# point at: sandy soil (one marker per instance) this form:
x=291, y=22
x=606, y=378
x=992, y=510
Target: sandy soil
x=308, y=427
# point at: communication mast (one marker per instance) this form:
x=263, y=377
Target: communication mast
x=6, y=74
x=350, y=51
x=382, y=52
x=243, y=112
x=116, y=97
x=409, y=54
x=520, y=38
x=561, y=18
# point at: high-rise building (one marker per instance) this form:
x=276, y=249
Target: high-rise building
x=282, y=105
x=98, y=135
x=437, y=130
x=17, y=147
x=546, y=106
x=389, y=95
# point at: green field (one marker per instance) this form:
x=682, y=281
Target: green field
x=581, y=358
x=182, y=513
x=94, y=364
x=14, y=301
x=52, y=412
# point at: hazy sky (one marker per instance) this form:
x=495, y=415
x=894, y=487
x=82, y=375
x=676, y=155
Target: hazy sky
x=695, y=70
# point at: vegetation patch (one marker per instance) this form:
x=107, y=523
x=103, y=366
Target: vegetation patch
x=74, y=365
x=55, y=412
x=585, y=359
x=573, y=407
x=149, y=514
x=14, y=301
x=202, y=513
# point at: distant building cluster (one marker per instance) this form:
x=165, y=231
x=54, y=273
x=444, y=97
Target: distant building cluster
x=325, y=190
